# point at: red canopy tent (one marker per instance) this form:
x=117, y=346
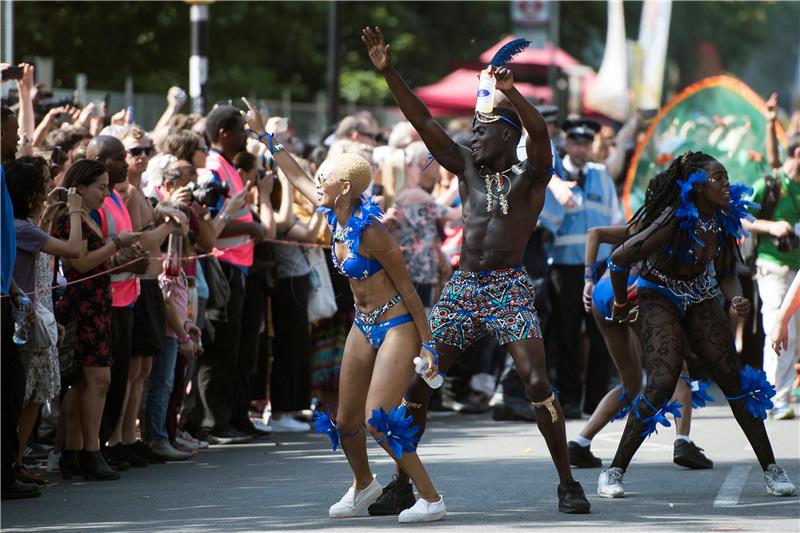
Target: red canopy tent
x=455, y=93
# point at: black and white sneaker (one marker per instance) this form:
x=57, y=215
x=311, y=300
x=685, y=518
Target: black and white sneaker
x=582, y=456
x=395, y=498
x=688, y=455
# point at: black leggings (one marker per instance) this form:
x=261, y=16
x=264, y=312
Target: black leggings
x=663, y=334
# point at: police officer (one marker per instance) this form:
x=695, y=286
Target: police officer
x=595, y=204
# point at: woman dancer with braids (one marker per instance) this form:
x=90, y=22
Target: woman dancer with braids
x=378, y=353
x=686, y=235
x=626, y=352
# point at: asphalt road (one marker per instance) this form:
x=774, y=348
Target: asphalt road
x=495, y=476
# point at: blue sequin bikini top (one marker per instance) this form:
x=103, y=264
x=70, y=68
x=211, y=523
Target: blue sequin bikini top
x=355, y=265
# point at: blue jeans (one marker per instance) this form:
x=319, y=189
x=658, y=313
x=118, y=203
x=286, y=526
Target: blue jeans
x=162, y=378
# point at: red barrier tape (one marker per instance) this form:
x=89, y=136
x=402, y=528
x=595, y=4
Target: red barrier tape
x=216, y=253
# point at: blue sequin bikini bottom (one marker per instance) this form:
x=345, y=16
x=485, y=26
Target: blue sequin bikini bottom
x=375, y=331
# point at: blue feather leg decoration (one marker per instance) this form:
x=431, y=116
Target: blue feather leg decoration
x=324, y=424
x=508, y=51
x=659, y=417
x=757, y=392
x=396, y=428
x=626, y=407
x=699, y=390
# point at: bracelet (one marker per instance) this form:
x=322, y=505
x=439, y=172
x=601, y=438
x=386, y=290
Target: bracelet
x=618, y=306
x=186, y=338
x=614, y=267
x=117, y=242
x=79, y=211
x=262, y=135
x=593, y=274
x=431, y=347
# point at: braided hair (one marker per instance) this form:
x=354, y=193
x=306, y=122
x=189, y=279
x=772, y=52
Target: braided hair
x=664, y=194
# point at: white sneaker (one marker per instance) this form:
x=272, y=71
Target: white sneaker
x=778, y=483
x=260, y=425
x=287, y=424
x=424, y=511
x=483, y=384
x=187, y=441
x=354, y=502
x=52, y=461
x=610, y=483
x=782, y=413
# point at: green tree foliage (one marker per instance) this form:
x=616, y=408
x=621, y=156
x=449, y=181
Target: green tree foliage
x=265, y=48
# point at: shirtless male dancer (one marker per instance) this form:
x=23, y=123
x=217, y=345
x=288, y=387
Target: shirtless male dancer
x=491, y=292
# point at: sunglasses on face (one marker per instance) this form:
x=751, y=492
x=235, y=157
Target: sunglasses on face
x=203, y=149
x=139, y=150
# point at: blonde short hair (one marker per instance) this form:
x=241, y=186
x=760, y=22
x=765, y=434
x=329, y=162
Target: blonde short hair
x=350, y=167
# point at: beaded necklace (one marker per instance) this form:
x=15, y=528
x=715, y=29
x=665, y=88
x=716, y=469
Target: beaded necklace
x=501, y=181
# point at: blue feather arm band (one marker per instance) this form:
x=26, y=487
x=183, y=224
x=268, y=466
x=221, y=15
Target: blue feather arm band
x=757, y=392
x=699, y=390
x=397, y=430
x=659, y=416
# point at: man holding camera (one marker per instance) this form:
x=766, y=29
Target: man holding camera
x=777, y=227
x=218, y=366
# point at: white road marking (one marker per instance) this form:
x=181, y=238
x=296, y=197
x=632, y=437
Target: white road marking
x=731, y=489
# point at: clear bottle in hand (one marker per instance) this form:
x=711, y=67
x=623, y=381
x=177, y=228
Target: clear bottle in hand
x=421, y=365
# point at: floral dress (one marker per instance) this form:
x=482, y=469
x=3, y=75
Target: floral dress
x=413, y=226
x=43, y=381
x=88, y=302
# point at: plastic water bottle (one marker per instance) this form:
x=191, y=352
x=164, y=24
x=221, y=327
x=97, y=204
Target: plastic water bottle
x=172, y=264
x=485, y=100
x=21, y=323
x=421, y=365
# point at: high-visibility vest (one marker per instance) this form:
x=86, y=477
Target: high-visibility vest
x=236, y=249
x=114, y=219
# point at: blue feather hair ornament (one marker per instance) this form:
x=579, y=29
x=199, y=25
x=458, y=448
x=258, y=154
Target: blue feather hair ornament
x=699, y=390
x=508, y=51
x=626, y=408
x=324, y=424
x=756, y=392
x=650, y=423
x=687, y=212
x=396, y=428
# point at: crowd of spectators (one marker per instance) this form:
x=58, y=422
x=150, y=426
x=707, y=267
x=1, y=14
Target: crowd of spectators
x=182, y=294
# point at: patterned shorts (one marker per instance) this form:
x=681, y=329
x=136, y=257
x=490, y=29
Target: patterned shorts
x=474, y=304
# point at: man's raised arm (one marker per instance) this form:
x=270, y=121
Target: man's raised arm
x=538, y=144
x=435, y=138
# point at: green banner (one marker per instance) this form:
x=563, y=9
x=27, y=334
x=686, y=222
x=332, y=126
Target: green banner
x=720, y=116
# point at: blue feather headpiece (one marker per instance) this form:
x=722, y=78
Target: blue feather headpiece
x=756, y=392
x=687, y=212
x=508, y=51
x=650, y=423
x=396, y=428
x=324, y=424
